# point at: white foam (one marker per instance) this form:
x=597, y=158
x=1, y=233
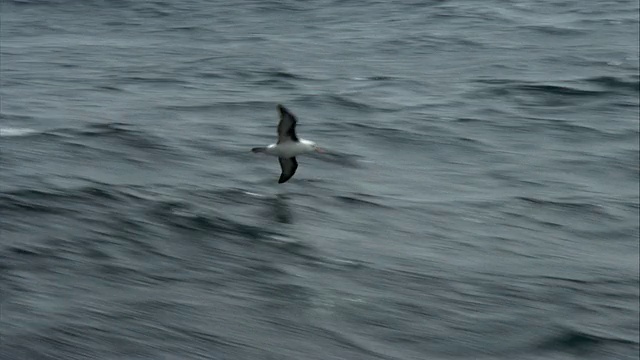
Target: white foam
x=15, y=131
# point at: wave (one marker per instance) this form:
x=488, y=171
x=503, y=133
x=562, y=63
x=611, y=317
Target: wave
x=556, y=90
x=11, y=132
x=577, y=341
x=342, y=101
x=509, y=85
x=55, y=200
x=555, y=30
x=89, y=201
x=224, y=105
x=613, y=82
x=568, y=205
x=569, y=87
x=94, y=136
x=122, y=132
x=357, y=200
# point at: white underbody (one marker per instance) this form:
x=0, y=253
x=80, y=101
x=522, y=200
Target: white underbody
x=289, y=149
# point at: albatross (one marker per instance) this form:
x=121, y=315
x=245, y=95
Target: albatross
x=289, y=145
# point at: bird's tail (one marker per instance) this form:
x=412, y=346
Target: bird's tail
x=259, y=149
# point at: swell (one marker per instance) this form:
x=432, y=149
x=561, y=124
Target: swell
x=114, y=138
x=58, y=200
x=324, y=101
x=572, y=206
x=580, y=88
x=581, y=341
x=224, y=105
x=103, y=215
x=181, y=216
x=426, y=135
x=123, y=132
x=361, y=201
x=555, y=30
x=341, y=101
x=616, y=83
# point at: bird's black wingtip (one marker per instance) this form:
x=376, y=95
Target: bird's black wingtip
x=284, y=178
x=282, y=109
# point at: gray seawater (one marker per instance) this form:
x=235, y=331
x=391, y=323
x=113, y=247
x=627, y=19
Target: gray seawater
x=479, y=199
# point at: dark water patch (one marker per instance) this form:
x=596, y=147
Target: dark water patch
x=628, y=105
x=465, y=120
x=469, y=140
x=568, y=205
x=555, y=30
x=154, y=80
x=265, y=75
x=124, y=133
x=342, y=101
x=97, y=193
x=159, y=9
x=17, y=118
x=588, y=283
x=110, y=88
x=182, y=216
x=382, y=78
x=276, y=84
x=532, y=95
x=285, y=75
x=358, y=202
x=101, y=129
x=556, y=90
x=279, y=6
x=616, y=83
x=496, y=81
x=22, y=251
x=59, y=194
x=508, y=86
x=580, y=342
x=575, y=132
x=32, y=201
x=60, y=200
x=186, y=28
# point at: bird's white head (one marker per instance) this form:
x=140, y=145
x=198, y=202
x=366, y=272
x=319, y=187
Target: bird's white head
x=312, y=146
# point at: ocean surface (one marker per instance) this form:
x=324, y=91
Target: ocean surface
x=478, y=198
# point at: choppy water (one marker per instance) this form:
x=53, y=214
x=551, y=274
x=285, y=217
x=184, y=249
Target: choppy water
x=479, y=201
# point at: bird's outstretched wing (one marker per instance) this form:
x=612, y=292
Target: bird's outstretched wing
x=287, y=125
x=289, y=167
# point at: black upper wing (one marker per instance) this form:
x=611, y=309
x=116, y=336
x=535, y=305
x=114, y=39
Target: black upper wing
x=289, y=167
x=287, y=125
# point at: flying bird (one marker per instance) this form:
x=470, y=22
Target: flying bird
x=288, y=146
